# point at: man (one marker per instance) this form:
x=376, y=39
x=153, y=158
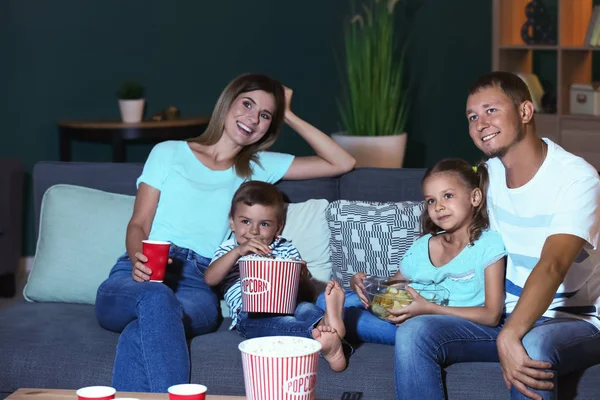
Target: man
x=544, y=202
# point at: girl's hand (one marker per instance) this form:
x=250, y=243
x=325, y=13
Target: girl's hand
x=139, y=272
x=357, y=285
x=253, y=246
x=418, y=306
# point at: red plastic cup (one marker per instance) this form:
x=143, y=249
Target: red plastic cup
x=96, y=393
x=158, y=256
x=187, y=391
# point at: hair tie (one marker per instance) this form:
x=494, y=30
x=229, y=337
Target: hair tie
x=474, y=168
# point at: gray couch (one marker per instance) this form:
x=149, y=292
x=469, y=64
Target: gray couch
x=12, y=176
x=54, y=345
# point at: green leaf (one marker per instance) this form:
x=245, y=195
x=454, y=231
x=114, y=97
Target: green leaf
x=374, y=101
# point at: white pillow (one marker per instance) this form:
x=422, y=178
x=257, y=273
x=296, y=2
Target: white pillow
x=306, y=226
x=82, y=232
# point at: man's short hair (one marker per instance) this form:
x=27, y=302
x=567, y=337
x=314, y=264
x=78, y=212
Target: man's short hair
x=512, y=86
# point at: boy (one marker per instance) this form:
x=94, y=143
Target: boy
x=256, y=218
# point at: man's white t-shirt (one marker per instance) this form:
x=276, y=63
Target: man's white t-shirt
x=562, y=198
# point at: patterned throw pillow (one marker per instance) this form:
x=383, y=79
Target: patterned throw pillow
x=370, y=237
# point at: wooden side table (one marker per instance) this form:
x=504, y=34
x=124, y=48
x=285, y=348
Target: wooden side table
x=119, y=133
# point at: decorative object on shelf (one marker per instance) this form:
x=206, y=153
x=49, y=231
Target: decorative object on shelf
x=535, y=89
x=540, y=27
x=374, y=106
x=168, y=114
x=549, y=98
x=585, y=98
x=131, y=101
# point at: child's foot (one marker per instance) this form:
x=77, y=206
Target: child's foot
x=334, y=301
x=331, y=347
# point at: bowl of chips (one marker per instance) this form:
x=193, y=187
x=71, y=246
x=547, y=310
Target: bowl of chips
x=385, y=294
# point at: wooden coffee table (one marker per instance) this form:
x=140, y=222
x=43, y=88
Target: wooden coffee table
x=59, y=394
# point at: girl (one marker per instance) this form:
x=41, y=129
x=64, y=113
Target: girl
x=456, y=251
x=183, y=197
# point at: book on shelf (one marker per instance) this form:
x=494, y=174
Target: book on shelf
x=592, y=35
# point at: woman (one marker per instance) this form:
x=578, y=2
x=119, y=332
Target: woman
x=183, y=197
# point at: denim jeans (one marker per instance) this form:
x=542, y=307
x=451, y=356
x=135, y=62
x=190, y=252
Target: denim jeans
x=154, y=320
x=427, y=343
x=305, y=318
x=361, y=324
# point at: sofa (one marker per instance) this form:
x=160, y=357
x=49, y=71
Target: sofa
x=12, y=176
x=60, y=344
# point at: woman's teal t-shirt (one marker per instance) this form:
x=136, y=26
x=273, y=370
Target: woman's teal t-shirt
x=193, y=208
x=463, y=276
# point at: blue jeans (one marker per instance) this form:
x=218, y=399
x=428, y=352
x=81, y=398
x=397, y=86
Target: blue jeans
x=154, y=320
x=361, y=324
x=427, y=343
x=305, y=318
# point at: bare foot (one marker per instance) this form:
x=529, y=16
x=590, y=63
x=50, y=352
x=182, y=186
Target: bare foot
x=334, y=301
x=331, y=347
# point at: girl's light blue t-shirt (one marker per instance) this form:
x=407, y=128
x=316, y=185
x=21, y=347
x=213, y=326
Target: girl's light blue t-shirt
x=193, y=208
x=463, y=276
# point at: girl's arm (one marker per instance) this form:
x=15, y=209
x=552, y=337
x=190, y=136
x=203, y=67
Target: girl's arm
x=489, y=314
x=331, y=159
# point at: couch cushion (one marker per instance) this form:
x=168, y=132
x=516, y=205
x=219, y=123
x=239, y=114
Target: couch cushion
x=382, y=185
x=82, y=232
x=307, y=228
x=55, y=345
x=51, y=345
x=370, y=237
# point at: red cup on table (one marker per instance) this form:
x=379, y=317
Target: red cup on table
x=187, y=391
x=158, y=257
x=96, y=393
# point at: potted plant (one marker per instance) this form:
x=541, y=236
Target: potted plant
x=131, y=101
x=374, y=108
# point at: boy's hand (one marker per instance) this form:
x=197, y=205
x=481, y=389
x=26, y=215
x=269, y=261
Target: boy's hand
x=356, y=283
x=253, y=246
x=304, y=272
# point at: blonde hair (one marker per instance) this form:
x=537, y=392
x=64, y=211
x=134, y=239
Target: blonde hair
x=472, y=177
x=242, y=84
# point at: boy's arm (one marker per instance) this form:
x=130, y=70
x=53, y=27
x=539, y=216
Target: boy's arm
x=218, y=269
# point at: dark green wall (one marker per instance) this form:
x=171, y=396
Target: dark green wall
x=64, y=59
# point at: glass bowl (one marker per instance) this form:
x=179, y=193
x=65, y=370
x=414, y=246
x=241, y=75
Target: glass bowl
x=386, y=293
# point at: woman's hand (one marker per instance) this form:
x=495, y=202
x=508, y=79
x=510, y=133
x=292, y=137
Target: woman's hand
x=254, y=246
x=357, y=285
x=141, y=273
x=288, y=102
x=418, y=306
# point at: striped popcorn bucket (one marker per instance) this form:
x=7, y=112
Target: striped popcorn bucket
x=269, y=285
x=280, y=367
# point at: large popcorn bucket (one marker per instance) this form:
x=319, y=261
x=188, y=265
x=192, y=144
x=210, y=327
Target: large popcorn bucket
x=280, y=367
x=269, y=285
